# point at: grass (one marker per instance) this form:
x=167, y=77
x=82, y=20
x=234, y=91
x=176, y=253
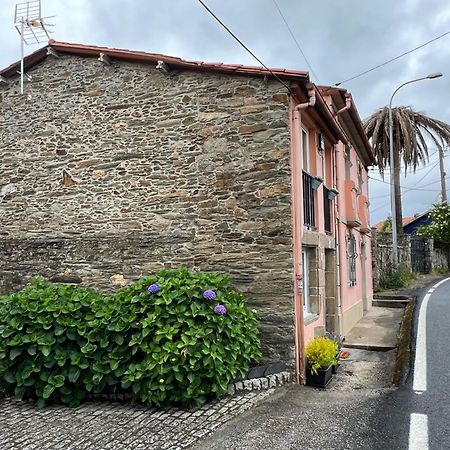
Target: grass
x=404, y=343
x=401, y=278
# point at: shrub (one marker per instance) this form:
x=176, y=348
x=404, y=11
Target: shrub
x=173, y=337
x=321, y=353
x=397, y=279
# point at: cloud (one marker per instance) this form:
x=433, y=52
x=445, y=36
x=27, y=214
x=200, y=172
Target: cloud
x=339, y=38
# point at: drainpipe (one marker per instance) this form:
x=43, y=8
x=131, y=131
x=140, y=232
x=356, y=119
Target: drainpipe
x=348, y=105
x=339, y=239
x=310, y=103
x=339, y=293
x=297, y=230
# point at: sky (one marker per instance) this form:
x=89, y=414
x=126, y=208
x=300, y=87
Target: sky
x=339, y=38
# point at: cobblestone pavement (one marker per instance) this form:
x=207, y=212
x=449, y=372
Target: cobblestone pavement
x=101, y=426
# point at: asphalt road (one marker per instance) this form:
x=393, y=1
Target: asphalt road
x=414, y=417
x=428, y=387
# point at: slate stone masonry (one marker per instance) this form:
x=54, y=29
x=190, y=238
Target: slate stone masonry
x=112, y=172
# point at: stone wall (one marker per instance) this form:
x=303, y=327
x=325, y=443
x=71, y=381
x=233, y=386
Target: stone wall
x=432, y=255
x=110, y=171
x=382, y=254
x=440, y=256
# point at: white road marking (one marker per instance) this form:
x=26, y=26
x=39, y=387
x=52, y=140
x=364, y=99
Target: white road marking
x=418, y=432
x=420, y=363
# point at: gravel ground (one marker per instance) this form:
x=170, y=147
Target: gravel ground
x=349, y=414
x=364, y=370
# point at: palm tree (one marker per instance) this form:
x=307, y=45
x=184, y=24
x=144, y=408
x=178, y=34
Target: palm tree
x=411, y=132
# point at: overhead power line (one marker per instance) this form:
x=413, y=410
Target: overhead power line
x=295, y=40
x=407, y=188
x=243, y=45
x=402, y=167
x=393, y=59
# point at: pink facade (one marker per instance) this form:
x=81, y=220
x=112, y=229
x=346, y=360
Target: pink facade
x=332, y=253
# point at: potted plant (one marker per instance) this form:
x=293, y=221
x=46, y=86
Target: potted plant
x=339, y=340
x=316, y=182
x=332, y=194
x=321, y=356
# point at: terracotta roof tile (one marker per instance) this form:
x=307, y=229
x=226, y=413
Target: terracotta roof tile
x=152, y=58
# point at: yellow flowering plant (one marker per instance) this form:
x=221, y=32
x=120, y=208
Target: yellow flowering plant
x=321, y=353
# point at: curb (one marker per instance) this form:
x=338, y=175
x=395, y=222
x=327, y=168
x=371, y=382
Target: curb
x=259, y=384
x=404, y=344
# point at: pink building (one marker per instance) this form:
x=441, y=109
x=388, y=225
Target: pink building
x=332, y=251
x=117, y=163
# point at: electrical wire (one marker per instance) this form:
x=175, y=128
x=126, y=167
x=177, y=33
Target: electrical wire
x=402, y=167
x=406, y=188
x=295, y=40
x=393, y=59
x=243, y=45
x=412, y=189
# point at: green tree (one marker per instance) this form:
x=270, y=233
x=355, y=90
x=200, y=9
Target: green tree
x=410, y=132
x=387, y=225
x=439, y=228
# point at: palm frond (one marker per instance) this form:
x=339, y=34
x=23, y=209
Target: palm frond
x=410, y=133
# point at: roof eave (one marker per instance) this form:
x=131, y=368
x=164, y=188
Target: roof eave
x=352, y=113
x=153, y=59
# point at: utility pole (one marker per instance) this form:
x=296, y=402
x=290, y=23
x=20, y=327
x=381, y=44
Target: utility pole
x=442, y=168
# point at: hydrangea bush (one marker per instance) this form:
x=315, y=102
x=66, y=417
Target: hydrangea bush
x=174, y=337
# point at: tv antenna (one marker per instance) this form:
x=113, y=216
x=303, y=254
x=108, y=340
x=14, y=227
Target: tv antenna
x=32, y=27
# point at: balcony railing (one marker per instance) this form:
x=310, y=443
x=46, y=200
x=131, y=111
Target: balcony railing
x=326, y=210
x=308, y=201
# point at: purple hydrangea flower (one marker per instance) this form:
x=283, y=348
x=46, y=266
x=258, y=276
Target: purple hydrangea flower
x=153, y=289
x=220, y=309
x=209, y=295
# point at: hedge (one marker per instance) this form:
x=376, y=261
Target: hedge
x=175, y=337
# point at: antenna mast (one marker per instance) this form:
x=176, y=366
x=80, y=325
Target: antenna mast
x=32, y=28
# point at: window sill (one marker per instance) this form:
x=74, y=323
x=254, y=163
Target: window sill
x=310, y=318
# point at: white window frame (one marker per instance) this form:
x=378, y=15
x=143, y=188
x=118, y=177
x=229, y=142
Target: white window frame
x=306, y=266
x=351, y=259
x=305, y=154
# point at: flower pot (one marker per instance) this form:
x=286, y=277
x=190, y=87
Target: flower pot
x=319, y=379
x=332, y=194
x=335, y=367
x=316, y=182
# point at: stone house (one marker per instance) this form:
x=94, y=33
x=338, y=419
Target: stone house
x=117, y=163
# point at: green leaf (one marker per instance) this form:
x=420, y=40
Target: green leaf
x=19, y=391
x=9, y=377
x=32, y=350
x=56, y=380
x=88, y=348
x=118, y=339
x=74, y=374
x=14, y=353
x=48, y=390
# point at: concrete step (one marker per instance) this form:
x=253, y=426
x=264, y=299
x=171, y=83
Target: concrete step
x=376, y=331
x=390, y=303
x=392, y=296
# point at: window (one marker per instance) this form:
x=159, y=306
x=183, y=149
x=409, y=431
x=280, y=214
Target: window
x=351, y=259
x=360, y=178
x=348, y=162
x=306, y=267
x=305, y=149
